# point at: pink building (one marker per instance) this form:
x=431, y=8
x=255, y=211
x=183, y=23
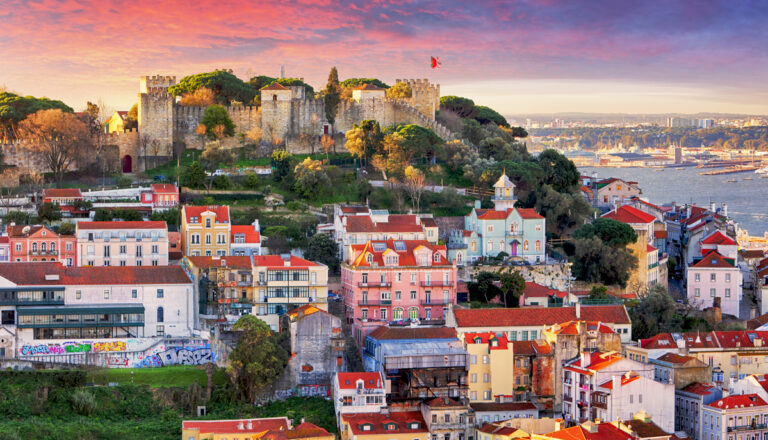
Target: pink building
x=724, y=245
x=161, y=196
x=715, y=278
x=39, y=243
x=396, y=281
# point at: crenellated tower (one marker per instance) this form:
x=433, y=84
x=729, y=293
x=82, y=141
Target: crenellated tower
x=425, y=97
x=156, y=111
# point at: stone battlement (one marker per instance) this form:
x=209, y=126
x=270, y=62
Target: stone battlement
x=156, y=84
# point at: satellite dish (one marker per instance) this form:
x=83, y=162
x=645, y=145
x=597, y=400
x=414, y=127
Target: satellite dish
x=25, y=230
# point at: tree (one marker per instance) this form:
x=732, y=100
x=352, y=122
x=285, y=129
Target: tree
x=611, y=232
x=224, y=84
x=311, y=179
x=214, y=157
x=132, y=119
x=102, y=215
x=257, y=360
x=400, y=90
x=48, y=212
x=17, y=217
x=463, y=107
x=598, y=292
x=357, y=82
x=512, y=285
x=418, y=141
x=277, y=244
x=217, y=122
x=654, y=314
x=559, y=171
x=193, y=176
x=257, y=83
x=365, y=140
x=332, y=96
x=414, y=184
x=96, y=117
x=327, y=143
x=15, y=108
x=487, y=115
x=281, y=165
x=597, y=262
x=322, y=249
x=564, y=211
x=221, y=182
x=483, y=289
x=67, y=228
x=201, y=97
x=57, y=136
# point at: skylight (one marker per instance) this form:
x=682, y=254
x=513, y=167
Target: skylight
x=379, y=247
x=400, y=246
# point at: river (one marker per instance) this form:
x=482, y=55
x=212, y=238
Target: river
x=747, y=199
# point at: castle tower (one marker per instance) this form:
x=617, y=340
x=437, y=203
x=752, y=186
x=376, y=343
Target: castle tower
x=425, y=97
x=276, y=101
x=504, y=193
x=156, y=111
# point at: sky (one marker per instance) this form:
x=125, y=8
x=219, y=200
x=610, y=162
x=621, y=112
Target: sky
x=526, y=56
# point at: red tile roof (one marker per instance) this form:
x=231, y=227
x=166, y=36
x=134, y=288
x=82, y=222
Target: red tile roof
x=650, y=249
x=597, y=361
x=222, y=213
x=164, y=188
x=33, y=274
x=232, y=261
x=251, y=234
x=740, y=338
x=402, y=423
x=533, y=290
x=277, y=262
x=624, y=380
x=122, y=225
x=4, y=239
x=528, y=213
x=428, y=222
x=604, y=431
x=68, y=193
x=485, y=338
x=714, y=260
x=630, y=215
x=699, y=388
x=490, y=214
x=395, y=223
x=18, y=230
x=348, y=381
x=307, y=430
x=674, y=358
x=368, y=87
x=523, y=348
x=738, y=401
x=394, y=333
x=275, y=86
x=718, y=238
x=232, y=426
x=405, y=258
x=573, y=327
x=444, y=402
x=349, y=209
x=534, y=316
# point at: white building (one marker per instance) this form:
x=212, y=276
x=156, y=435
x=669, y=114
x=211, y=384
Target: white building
x=122, y=243
x=51, y=310
x=624, y=395
x=741, y=417
x=361, y=392
x=245, y=239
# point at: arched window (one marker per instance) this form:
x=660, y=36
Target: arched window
x=459, y=257
x=43, y=246
x=274, y=97
x=160, y=314
x=34, y=247
x=525, y=245
x=413, y=313
x=397, y=314
x=53, y=246
x=490, y=246
x=501, y=245
x=538, y=245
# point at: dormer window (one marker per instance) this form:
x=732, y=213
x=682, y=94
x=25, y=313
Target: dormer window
x=414, y=425
x=366, y=427
x=208, y=223
x=194, y=219
x=437, y=258
x=494, y=342
x=478, y=340
x=390, y=426
x=369, y=258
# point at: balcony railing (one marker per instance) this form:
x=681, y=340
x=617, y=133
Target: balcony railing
x=375, y=284
x=436, y=283
x=750, y=427
x=434, y=302
x=375, y=302
x=567, y=398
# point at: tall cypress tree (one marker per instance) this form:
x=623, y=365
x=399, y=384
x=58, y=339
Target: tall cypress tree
x=332, y=95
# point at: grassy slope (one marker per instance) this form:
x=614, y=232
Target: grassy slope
x=178, y=376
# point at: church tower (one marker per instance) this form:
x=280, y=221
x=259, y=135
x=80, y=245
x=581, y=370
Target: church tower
x=504, y=196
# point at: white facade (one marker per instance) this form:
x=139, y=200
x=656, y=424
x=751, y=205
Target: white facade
x=122, y=243
x=358, y=393
x=625, y=395
x=735, y=418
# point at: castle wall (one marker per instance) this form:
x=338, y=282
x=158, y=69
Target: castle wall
x=425, y=96
x=19, y=155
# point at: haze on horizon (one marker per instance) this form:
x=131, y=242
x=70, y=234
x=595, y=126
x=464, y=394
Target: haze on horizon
x=519, y=57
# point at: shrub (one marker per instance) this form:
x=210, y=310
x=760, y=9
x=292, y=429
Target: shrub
x=296, y=206
x=124, y=181
x=83, y=402
x=252, y=181
x=222, y=182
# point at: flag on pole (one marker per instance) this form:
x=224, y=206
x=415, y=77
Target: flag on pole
x=435, y=62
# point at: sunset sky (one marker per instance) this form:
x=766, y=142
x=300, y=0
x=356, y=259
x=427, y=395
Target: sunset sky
x=529, y=56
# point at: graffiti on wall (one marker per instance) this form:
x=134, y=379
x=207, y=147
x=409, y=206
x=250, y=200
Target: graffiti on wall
x=72, y=348
x=178, y=356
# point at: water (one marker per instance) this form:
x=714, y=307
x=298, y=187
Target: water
x=747, y=199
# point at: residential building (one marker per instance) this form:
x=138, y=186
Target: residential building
x=589, y=431
x=205, y=230
x=385, y=425
x=418, y=362
x=688, y=404
x=161, y=196
x=642, y=427
x=448, y=419
x=47, y=304
x=5, y=249
x=715, y=280
x=40, y=243
x=121, y=243
x=528, y=426
x=360, y=224
x=752, y=384
x=735, y=417
x=245, y=239
x=277, y=428
x=489, y=354
x=569, y=340
x=527, y=323
x=761, y=275
x=731, y=354
x=537, y=295
x=357, y=393
x=489, y=431
x=582, y=378
x=116, y=122
x=680, y=370
x=64, y=197
x=646, y=274
x=625, y=394
x=396, y=281
x=491, y=412
x=534, y=370
x=518, y=232
x=721, y=243
x=317, y=347
x=267, y=286
x=609, y=193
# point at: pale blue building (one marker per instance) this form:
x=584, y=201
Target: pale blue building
x=520, y=232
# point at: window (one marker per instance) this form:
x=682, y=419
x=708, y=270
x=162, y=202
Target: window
x=160, y=293
x=160, y=331
x=538, y=245
x=106, y=294
x=486, y=395
x=106, y=251
x=68, y=247
x=397, y=294
x=208, y=223
x=383, y=314
x=713, y=277
x=486, y=377
x=78, y=294
x=134, y=293
x=697, y=277
x=473, y=378
x=207, y=238
x=490, y=228
x=154, y=248
x=697, y=292
x=364, y=314
x=473, y=359
x=397, y=314
x=525, y=245
x=486, y=359
x=160, y=314
x=140, y=250
x=490, y=245
x=122, y=249
x=436, y=258
x=122, y=263
x=18, y=247
x=473, y=395
x=727, y=293
x=712, y=292
x=195, y=239
x=413, y=294
x=525, y=335
x=221, y=239
x=728, y=277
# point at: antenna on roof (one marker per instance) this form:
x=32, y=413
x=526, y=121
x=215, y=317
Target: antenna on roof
x=282, y=71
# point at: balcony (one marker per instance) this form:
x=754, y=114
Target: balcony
x=377, y=284
x=568, y=380
x=375, y=302
x=434, y=302
x=447, y=425
x=436, y=283
x=567, y=398
x=750, y=427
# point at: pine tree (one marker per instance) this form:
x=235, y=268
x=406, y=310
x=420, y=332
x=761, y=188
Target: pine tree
x=332, y=95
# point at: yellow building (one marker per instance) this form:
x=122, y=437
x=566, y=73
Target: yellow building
x=406, y=425
x=490, y=360
x=205, y=230
x=116, y=122
x=277, y=428
x=499, y=432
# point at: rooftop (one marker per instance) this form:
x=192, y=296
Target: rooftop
x=234, y=426
x=406, y=252
x=714, y=260
x=398, y=333
x=62, y=193
x=718, y=238
x=738, y=401
x=122, y=225
x=54, y=274
x=630, y=215
x=538, y=316
x=348, y=381
x=408, y=422
x=221, y=213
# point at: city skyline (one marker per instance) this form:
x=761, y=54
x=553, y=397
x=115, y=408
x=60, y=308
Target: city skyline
x=517, y=57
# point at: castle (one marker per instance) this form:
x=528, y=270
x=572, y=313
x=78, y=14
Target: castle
x=286, y=114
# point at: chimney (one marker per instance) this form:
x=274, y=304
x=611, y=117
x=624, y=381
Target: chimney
x=477, y=204
x=616, y=382
x=559, y=424
x=712, y=206
x=687, y=210
x=725, y=210
x=585, y=358
x=578, y=310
